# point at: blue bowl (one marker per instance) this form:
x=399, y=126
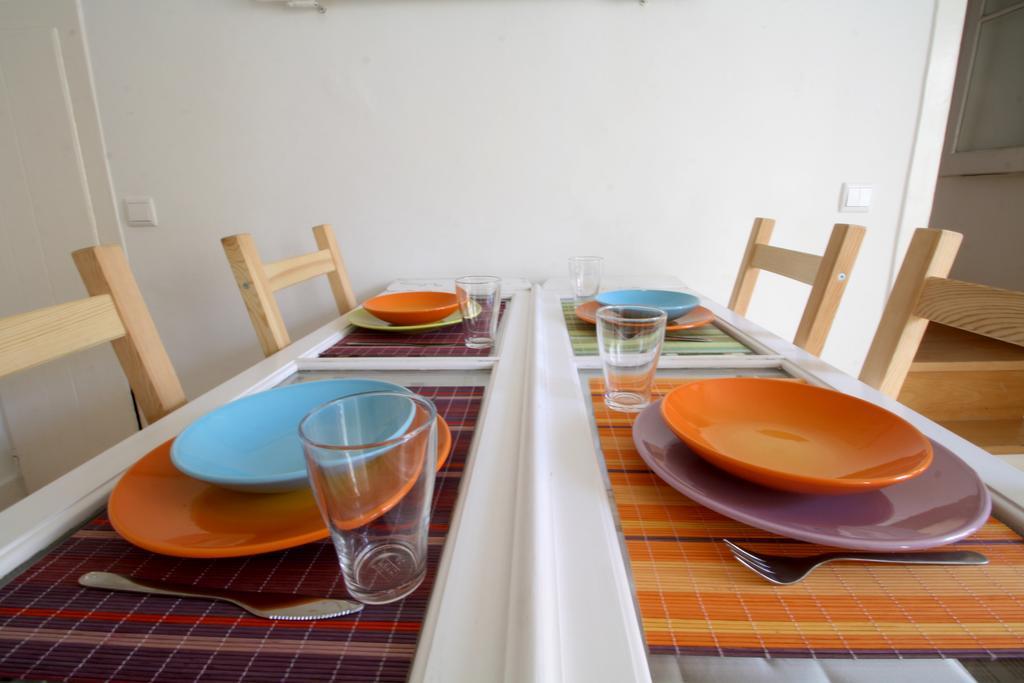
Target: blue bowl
x=348, y=431
x=675, y=304
x=252, y=444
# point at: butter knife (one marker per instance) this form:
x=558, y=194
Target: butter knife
x=266, y=605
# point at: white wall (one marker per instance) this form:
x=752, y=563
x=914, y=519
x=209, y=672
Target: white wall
x=11, y=486
x=443, y=137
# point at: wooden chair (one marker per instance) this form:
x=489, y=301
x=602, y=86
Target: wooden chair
x=952, y=350
x=114, y=312
x=827, y=275
x=257, y=281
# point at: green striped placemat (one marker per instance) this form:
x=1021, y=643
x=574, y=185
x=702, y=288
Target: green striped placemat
x=584, y=338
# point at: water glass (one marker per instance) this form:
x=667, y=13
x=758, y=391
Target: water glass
x=629, y=339
x=371, y=459
x=479, y=301
x=585, y=275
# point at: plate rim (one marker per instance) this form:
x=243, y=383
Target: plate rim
x=384, y=326
x=708, y=313
x=694, y=300
x=837, y=485
x=114, y=513
x=280, y=479
x=981, y=515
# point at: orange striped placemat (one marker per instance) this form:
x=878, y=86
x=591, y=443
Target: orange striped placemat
x=694, y=598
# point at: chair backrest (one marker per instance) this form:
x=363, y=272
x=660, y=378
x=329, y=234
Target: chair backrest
x=923, y=293
x=114, y=312
x=827, y=275
x=257, y=281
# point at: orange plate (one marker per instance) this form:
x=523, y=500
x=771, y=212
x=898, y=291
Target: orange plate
x=158, y=508
x=795, y=437
x=698, y=317
x=412, y=308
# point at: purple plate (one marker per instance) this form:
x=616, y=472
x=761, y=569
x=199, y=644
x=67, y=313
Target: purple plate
x=945, y=504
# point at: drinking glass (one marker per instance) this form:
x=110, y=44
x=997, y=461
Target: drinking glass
x=629, y=339
x=585, y=275
x=479, y=301
x=371, y=460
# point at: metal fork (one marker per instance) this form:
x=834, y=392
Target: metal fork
x=786, y=570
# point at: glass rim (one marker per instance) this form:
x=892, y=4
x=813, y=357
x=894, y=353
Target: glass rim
x=477, y=279
x=611, y=314
x=423, y=401
x=586, y=258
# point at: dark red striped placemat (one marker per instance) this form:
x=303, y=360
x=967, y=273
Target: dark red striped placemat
x=443, y=342
x=53, y=629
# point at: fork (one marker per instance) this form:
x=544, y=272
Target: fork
x=786, y=570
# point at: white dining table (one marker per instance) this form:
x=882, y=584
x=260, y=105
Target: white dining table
x=532, y=584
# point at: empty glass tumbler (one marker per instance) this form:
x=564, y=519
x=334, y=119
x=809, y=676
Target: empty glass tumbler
x=479, y=301
x=585, y=276
x=629, y=339
x=371, y=460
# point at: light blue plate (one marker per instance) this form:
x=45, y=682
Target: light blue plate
x=675, y=304
x=252, y=444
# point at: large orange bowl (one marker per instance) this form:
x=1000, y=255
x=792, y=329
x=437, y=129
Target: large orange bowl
x=795, y=437
x=412, y=308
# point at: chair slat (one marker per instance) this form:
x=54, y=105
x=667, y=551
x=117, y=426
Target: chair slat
x=988, y=311
x=33, y=338
x=795, y=265
x=956, y=395
x=298, y=269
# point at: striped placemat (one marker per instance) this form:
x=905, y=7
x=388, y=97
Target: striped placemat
x=714, y=342
x=53, y=629
x=694, y=598
x=443, y=342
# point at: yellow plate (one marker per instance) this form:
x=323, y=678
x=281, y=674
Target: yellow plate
x=360, y=317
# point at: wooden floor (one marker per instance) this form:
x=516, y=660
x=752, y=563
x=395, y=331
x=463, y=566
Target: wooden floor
x=972, y=385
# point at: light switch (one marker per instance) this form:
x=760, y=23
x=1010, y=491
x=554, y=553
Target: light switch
x=139, y=211
x=856, y=198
